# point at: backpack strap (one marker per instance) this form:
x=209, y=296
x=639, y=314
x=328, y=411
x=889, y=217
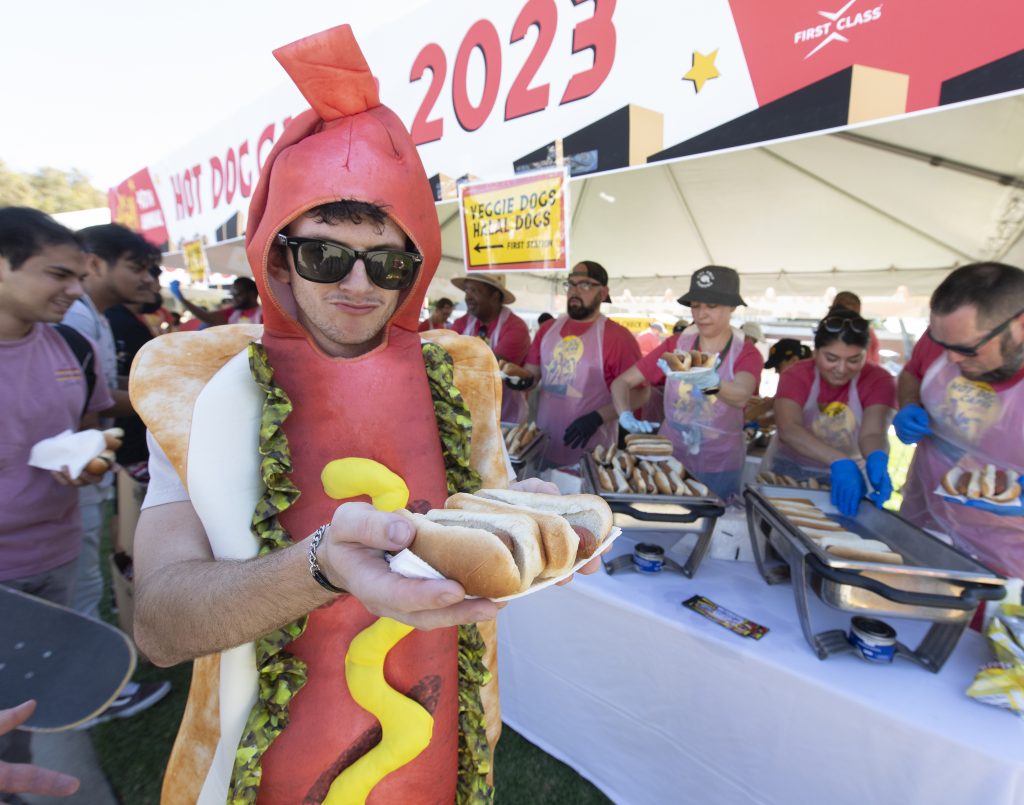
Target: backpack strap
x=86, y=356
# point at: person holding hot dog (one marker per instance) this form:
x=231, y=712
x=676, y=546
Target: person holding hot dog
x=703, y=410
x=270, y=568
x=575, y=358
x=832, y=411
x=490, y=318
x=961, y=399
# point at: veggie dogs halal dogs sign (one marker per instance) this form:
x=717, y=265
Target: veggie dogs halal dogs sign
x=490, y=90
x=515, y=224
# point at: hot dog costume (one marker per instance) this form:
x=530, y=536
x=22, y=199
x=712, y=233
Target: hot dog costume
x=340, y=706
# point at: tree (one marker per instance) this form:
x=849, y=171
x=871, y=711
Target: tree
x=49, y=189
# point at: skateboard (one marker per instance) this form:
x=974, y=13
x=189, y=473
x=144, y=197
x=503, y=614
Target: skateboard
x=73, y=666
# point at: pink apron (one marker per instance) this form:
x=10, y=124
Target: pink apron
x=513, y=403
x=838, y=426
x=572, y=384
x=974, y=425
x=706, y=434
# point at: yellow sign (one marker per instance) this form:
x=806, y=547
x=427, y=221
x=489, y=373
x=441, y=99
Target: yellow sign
x=195, y=259
x=516, y=224
x=635, y=324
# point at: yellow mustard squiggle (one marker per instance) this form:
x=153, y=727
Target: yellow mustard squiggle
x=406, y=726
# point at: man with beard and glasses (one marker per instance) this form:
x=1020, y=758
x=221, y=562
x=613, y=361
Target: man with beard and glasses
x=961, y=400
x=576, y=357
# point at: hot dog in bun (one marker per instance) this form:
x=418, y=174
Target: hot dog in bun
x=498, y=542
x=685, y=361
x=989, y=483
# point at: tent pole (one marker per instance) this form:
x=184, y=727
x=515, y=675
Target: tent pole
x=689, y=214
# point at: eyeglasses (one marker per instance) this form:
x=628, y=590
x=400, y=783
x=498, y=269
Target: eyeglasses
x=581, y=286
x=324, y=261
x=836, y=324
x=972, y=352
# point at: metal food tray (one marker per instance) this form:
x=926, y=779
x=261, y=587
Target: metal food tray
x=707, y=508
x=936, y=583
x=529, y=454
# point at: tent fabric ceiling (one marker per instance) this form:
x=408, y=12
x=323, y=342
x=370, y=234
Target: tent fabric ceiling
x=793, y=217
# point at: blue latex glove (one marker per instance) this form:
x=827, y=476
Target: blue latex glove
x=848, y=486
x=705, y=379
x=633, y=425
x=176, y=290
x=911, y=424
x=878, y=475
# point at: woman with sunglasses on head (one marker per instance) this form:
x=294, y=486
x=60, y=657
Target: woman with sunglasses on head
x=833, y=410
x=703, y=410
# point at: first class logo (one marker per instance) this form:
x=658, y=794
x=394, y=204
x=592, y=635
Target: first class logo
x=705, y=279
x=837, y=22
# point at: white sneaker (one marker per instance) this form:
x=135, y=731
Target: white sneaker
x=133, y=699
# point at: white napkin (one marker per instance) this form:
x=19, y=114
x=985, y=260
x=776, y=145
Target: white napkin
x=68, y=449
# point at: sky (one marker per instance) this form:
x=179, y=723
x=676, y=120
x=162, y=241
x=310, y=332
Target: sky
x=109, y=86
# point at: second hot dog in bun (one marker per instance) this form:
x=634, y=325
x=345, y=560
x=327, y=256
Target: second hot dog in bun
x=989, y=483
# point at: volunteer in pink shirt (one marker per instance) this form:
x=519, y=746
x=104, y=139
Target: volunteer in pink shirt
x=962, y=402
x=505, y=333
x=704, y=411
x=575, y=358
x=832, y=413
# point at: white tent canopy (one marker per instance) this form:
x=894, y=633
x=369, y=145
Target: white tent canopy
x=885, y=210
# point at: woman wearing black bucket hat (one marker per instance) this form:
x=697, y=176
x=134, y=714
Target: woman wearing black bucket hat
x=704, y=409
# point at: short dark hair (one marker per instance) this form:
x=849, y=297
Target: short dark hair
x=444, y=301
x=823, y=337
x=111, y=242
x=246, y=284
x=995, y=289
x=355, y=212
x=25, y=232
x=543, y=317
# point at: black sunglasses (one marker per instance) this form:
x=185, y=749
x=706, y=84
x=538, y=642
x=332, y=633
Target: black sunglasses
x=324, y=261
x=836, y=324
x=972, y=352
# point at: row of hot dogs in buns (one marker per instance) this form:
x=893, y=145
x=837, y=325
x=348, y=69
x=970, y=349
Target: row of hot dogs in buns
x=988, y=483
x=778, y=479
x=622, y=472
x=519, y=437
x=685, y=361
x=499, y=542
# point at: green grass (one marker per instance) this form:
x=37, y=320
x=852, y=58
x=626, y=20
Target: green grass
x=134, y=751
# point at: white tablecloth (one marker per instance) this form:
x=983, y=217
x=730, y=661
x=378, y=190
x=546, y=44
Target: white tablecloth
x=656, y=704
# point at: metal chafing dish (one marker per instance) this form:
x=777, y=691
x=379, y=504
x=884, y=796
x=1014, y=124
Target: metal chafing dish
x=527, y=459
x=678, y=509
x=936, y=583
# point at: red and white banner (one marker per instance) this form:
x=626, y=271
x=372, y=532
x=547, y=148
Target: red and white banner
x=491, y=90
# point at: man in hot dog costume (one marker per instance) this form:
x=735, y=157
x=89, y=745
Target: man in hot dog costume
x=311, y=683
x=961, y=399
x=706, y=429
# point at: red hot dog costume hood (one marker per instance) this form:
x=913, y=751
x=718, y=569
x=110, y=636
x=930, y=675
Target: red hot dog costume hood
x=340, y=706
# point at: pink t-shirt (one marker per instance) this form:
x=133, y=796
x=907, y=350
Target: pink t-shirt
x=749, y=361
x=513, y=339
x=875, y=386
x=620, y=350
x=43, y=394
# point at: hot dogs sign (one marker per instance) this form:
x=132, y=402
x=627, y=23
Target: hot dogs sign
x=492, y=91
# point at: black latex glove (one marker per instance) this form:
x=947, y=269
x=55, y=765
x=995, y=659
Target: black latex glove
x=580, y=431
x=519, y=383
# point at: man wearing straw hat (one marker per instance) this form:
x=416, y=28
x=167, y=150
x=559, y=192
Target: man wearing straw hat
x=489, y=317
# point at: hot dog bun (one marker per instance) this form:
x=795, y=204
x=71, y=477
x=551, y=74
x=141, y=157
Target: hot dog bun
x=678, y=362
x=587, y=512
x=514, y=370
x=988, y=483
x=559, y=542
x=468, y=548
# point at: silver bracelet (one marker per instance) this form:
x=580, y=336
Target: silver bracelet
x=314, y=566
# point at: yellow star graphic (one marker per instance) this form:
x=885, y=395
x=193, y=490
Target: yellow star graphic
x=703, y=69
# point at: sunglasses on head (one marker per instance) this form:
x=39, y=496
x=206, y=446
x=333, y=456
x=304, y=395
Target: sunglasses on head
x=836, y=324
x=325, y=261
x=972, y=351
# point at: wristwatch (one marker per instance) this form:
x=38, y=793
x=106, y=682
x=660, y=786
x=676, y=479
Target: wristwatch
x=314, y=565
